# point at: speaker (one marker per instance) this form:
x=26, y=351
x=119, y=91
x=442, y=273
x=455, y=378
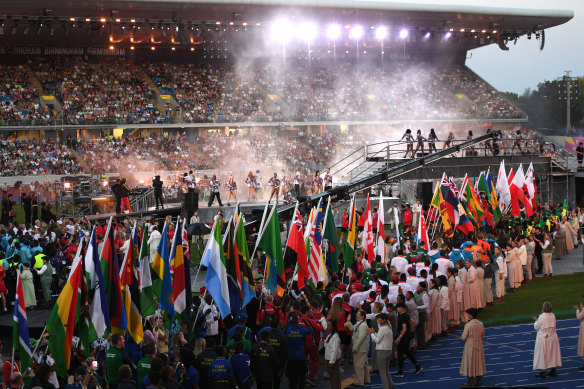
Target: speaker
x=424, y=192
x=191, y=201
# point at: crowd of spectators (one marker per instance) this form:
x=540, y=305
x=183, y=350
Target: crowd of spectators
x=107, y=91
x=19, y=100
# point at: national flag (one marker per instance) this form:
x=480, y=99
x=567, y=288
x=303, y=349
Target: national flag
x=367, y=234
x=423, y=233
x=483, y=191
x=297, y=247
x=113, y=290
x=61, y=322
x=161, y=268
x=20, y=339
x=232, y=267
x=450, y=195
x=497, y=214
x=130, y=283
x=472, y=200
x=349, y=253
x=510, y=177
x=440, y=205
x=565, y=208
x=453, y=187
x=503, y=187
x=518, y=194
x=84, y=328
x=271, y=244
x=147, y=305
x=330, y=234
x=530, y=185
x=241, y=251
x=380, y=248
x=177, y=263
x=216, y=279
x=464, y=224
x=187, y=258
x=314, y=260
x=97, y=299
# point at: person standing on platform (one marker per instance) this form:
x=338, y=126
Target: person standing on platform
x=547, y=353
x=328, y=179
x=231, y=189
x=275, y=184
x=417, y=213
x=157, y=185
x=409, y=142
x=214, y=184
x=473, y=357
x=258, y=185
x=296, y=181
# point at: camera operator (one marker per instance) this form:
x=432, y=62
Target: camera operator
x=157, y=185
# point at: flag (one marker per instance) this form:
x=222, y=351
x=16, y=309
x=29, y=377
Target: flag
x=330, y=234
x=565, y=208
x=439, y=204
x=161, y=269
x=503, y=187
x=518, y=194
x=530, y=185
x=464, y=224
x=314, y=260
x=98, y=309
x=472, y=200
x=297, y=246
x=232, y=267
x=497, y=214
x=113, y=290
x=367, y=234
x=147, y=306
x=177, y=263
x=450, y=193
x=130, y=284
x=20, y=339
x=84, y=328
x=241, y=250
x=61, y=322
x=187, y=259
x=349, y=253
x=423, y=233
x=483, y=190
x=216, y=279
x=271, y=244
x=380, y=248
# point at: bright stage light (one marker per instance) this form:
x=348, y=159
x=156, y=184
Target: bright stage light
x=403, y=33
x=448, y=35
x=67, y=185
x=427, y=35
x=307, y=31
x=381, y=33
x=357, y=32
x=282, y=31
x=333, y=31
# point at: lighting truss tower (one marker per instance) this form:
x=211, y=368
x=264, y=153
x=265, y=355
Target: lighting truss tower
x=569, y=82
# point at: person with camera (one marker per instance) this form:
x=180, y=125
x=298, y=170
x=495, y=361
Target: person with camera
x=157, y=185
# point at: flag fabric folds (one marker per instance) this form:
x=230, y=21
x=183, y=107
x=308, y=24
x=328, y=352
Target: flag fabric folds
x=464, y=223
x=497, y=214
x=367, y=234
x=297, y=247
x=241, y=251
x=130, y=284
x=330, y=234
x=177, y=263
x=216, y=279
x=484, y=197
x=518, y=194
x=98, y=309
x=187, y=260
x=113, y=290
x=161, y=268
x=423, y=233
x=61, y=323
x=20, y=339
x=472, y=200
x=380, y=247
x=349, y=254
x=270, y=243
x=439, y=204
x=147, y=306
x=503, y=187
x=315, y=238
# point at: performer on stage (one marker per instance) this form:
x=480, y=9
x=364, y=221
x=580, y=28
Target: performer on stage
x=122, y=192
x=214, y=184
x=297, y=182
x=275, y=183
x=250, y=182
x=231, y=189
x=328, y=179
x=410, y=142
x=157, y=185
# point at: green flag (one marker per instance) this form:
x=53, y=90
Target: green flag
x=147, y=306
x=330, y=234
x=271, y=244
x=349, y=253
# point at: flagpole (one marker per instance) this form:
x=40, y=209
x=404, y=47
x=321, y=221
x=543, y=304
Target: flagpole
x=262, y=228
x=258, y=242
x=38, y=343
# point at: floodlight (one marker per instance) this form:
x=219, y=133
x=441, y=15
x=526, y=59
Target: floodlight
x=403, y=33
x=333, y=31
x=357, y=32
x=448, y=35
x=307, y=31
x=282, y=31
x=67, y=185
x=381, y=33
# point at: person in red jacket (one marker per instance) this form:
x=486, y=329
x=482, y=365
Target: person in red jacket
x=344, y=223
x=269, y=310
x=375, y=220
x=361, y=219
x=356, y=284
x=313, y=320
x=408, y=216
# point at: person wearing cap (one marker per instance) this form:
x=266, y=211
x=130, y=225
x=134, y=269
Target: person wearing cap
x=405, y=335
x=383, y=340
x=360, y=348
x=275, y=184
x=296, y=369
x=214, y=186
x=473, y=356
x=241, y=319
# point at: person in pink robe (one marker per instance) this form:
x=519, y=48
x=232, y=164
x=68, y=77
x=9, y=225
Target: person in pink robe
x=547, y=354
x=473, y=356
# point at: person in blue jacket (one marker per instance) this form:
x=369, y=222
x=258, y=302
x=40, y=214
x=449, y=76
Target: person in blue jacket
x=296, y=370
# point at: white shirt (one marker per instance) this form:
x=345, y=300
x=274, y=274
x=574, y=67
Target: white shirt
x=383, y=339
x=332, y=348
x=443, y=264
x=399, y=263
x=523, y=255
x=211, y=320
x=502, y=266
x=417, y=208
x=413, y=282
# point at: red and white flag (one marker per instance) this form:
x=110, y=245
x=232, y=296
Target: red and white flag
x=518, y=194
x=423, y=233
x=367, y=234
x=380, y=249
x=530, y=185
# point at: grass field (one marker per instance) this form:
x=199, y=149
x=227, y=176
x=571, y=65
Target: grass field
x=562, y=291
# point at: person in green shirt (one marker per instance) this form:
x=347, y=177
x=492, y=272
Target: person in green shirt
x=115, y=357
x=144, y=363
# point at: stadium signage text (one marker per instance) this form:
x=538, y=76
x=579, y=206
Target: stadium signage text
x=62, y=51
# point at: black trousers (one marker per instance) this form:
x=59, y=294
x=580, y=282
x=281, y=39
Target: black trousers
x=539, y=262
x=403, y=352
x=421, y=328
x=297, y=189
x=212, y=198
x=158, y=199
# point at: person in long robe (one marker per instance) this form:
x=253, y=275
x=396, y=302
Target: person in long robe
x=473, y=356
x=435, y=321
x=475, y=299
x=481, y=283
x=569, y=232
x=547, y=353
x=510, y=259
x=575, y=224
x=518, y=267
x=454, y=312
x=560, y=242
x=466, y=302
x=28, y=286
x=580, y=316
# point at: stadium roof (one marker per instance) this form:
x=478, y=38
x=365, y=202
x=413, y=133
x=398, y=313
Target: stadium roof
x=64, y=17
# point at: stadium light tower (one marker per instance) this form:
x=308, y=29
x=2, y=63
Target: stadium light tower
x=357, y=34
x=568, y=80
x=381, y=34
x=282, y=32
x=307, y=32
x=333, y=32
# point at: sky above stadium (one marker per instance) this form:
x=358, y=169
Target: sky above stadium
x=524, y=65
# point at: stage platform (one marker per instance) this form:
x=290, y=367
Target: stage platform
x=36, y=322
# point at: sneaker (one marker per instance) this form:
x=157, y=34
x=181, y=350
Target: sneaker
x=326, y=374
x=399, y=374
x=309, y=382
x=419, y=369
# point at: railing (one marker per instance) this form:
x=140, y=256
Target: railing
x=144, y=201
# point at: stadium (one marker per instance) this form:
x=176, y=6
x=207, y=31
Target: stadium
x=206, y=173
